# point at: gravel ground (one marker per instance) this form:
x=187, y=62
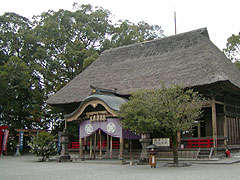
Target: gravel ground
x=27, y=168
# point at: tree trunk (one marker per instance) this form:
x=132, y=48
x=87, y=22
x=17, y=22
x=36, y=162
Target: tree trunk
x=43, y=159
x=175, y=149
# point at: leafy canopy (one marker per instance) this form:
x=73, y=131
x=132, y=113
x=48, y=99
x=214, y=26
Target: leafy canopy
x=232, y=49
x=173, y=109
x=43, y=145
x=170, y=110
x=41, y=55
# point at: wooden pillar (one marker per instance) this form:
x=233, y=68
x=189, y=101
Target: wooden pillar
x=65, y=125
x=100, y=144
x=229, y=130
x=199, y=129
x=225, y=126
x=108, y=146
x=80, y=141
x=94, y=145
x=91, y=148
x=237, y=125
x=214, y=123
x=179, y=138
x=84, y=147
x=81, y=147
x=130, y=149
x=234, y=130
x=111, y=146
x=121, y=148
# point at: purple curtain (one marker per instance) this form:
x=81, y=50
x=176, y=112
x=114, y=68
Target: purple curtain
x=111, y=126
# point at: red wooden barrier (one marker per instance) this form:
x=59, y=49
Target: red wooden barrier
x=199, y=143
x=75, y=145
x=115, y=144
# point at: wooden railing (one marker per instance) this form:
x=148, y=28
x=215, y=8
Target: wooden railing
x=198, y=143
x=75, y=145
x=204, y=142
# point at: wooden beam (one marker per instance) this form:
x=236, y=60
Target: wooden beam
x=209, y=103
x=30, y=130
x=218, y=102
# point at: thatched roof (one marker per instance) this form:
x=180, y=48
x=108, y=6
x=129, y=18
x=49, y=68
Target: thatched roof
x=188, y=59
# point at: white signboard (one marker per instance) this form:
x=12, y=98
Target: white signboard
x=161, y=142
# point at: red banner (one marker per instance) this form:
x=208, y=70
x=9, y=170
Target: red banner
x=3, y=127
x=5, y=138
x=1, y=136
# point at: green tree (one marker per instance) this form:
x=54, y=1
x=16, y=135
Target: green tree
x=232, y=49
x=20, y=98
x=237, y=63
x=126, y=32
x=72, y=40
x=69, y=42
x=43, y=54
x=21, y=93
x=43, y=145
x=171, y=110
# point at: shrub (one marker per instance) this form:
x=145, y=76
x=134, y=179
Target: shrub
x=43, y=145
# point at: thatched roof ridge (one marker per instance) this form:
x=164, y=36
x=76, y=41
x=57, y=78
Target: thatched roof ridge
x=188, y=59
x=163, y=45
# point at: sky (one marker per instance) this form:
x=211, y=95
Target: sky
x=221, y=17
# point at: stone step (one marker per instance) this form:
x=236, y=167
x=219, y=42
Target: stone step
x=203, y=156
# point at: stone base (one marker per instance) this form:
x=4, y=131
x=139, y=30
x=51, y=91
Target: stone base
x=65, y=158
x=177, y=165
x=143, y=162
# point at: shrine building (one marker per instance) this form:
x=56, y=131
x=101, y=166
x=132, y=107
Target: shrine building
x=93, y=98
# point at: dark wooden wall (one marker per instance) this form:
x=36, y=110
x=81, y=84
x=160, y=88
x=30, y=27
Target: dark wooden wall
x=233, y=130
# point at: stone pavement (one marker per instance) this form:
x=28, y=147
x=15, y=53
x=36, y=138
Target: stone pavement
x=27, y=168
x=235, y=158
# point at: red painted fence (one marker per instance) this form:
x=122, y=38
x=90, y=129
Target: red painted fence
x=75, y=145
x=198, y=143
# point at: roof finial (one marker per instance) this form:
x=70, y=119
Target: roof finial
x=175, y=22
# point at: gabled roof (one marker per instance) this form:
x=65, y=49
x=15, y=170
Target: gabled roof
x=188, y=59
x=111, y=101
